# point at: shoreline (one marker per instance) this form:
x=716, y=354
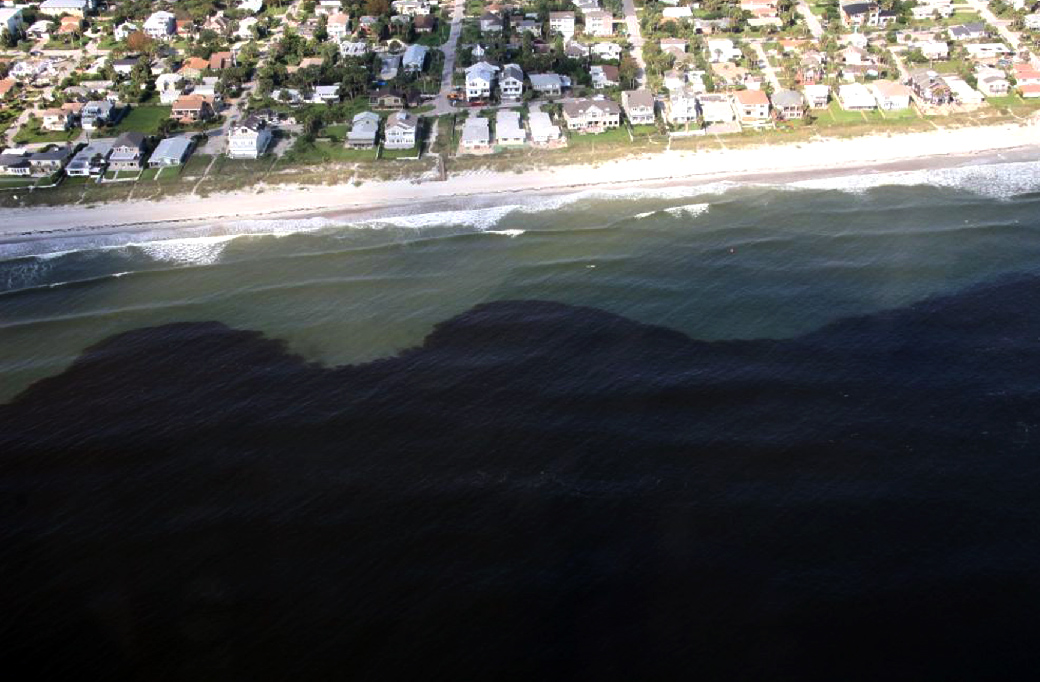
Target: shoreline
x=775, y=163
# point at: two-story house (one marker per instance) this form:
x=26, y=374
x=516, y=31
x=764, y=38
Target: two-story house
x=511, y=82
x=248, y=139
x=591, y=115
x=400, y=130
x=639, y=106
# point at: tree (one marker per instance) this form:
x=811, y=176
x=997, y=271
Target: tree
x=139, y=42
x=377, y=8
x=628, y=70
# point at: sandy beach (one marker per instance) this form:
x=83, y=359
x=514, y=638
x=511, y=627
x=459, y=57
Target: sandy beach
x=822, y=156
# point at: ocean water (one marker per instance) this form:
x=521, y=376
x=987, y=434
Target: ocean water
x=732, y=431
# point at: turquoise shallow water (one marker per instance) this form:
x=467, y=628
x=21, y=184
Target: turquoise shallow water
x=719, y=262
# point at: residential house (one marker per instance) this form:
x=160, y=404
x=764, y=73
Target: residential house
x=511, y=82
x=326, y=7
x=387, y=98
x=931, y=8
x=610, y=51
x=928, y=86
x=338, y=26
x=193, y=67
x=40, y=30
x=363, y=130
x=716, y=108
x=160, y=25
x=543, y=132
x=401, y=130
x=15, y=164
x=788, y=104
x=855, y=97
x=1032, y=22
x=681, y=107
x=575, y=50
x=752, y=107
x=96, y=113
x=50, y=161
x=890, y=95
x=1027, y=77
x=414, y=58
x=972, y=31
x=599, y=24
x=817, y=95
x=991, y=82
x=168, y=85
x=528, y=26
x=591, y=115
x=480, y=78
x=861, y=14
x=476, y=135
x=638, y=106
x=425, y=23
x=55, y=120
x=171, y=151
x=411, y=8
x=490, y=22
x=353, y=49
x=987, y=51
x=550, y=84
x=221, y=60
x=508, y=131
x=676, y=14
x=123, y=31
x=6, y=86
x=92, y=159
x=604, y=76
x=128, y=152
x=248, y=139
x=933, y=49
x=251, y=6
x=192, y=108
x=562, y=22
x=56, y=8
x=125, y=66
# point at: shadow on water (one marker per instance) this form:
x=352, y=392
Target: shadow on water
x=538, y=491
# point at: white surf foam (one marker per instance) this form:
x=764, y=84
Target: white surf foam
x=686, y=211
x=998, y=180
x=482, y=219
x=190, y=251
x=507, y=233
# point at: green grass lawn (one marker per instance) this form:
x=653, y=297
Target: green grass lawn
x=909, y=112
x=144, y=118
x=31, y=133
x=196, y=165
x=835, y=115
x=148, y=174
x=613, y=137
x=324, y=152
x=16, y=182
x=399, y=153
x=338, y=130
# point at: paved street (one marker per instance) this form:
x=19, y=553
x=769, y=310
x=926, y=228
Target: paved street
x=811, y=20
x=768, y=71
x=635, y=36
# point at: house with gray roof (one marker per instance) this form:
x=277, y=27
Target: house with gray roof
x=171, y=151
x=788, y=104
x=363, y=131
x=128, y=152
x=639, y=106
x=400, y=130
x=414, y=58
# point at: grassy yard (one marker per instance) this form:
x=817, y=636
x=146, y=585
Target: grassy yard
x=142, y=119
x=196, y=165
x=399, y=153
x=325, y=152
x=835, y=115
x=31, y=133
x=613, y=138
x=16, y=182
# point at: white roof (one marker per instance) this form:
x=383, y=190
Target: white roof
x=476, y=130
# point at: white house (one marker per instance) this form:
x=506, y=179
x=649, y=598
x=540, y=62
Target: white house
x=78, y=8
x=933, y=49
x=542, y=129
x=160, y=25
x=562, y=22
x=251, y=6
x=716, y=108
x=599, y=24
x=546, y=83
x=508, y=131
x=248, y=139
x=890, y=96
x=123, y=31
x=855, y=97
x=476, y=134
x=511, y=82
x=363, y=131
x=479, y=80
x=607, y=50
x=681, y=107
x=639, y=106
x=400, y=130
x=817, y=95
x=338, y=26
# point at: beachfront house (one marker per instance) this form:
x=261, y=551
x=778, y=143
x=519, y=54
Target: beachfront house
x=543, y=132
x=930, y=87
x=855, y=97
x=788, y=104
x=249, y=138
x=591, y=115
x=128, y=152
x=508, y=130
x=890, y=95
x=400, y=130
x=991, y=82
x=91, y=160
x=716, y=108
x=681, y=107
x=638, y=106
x=171, y=151
x=363, y=130
x=476, y=135
x=752, y=107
